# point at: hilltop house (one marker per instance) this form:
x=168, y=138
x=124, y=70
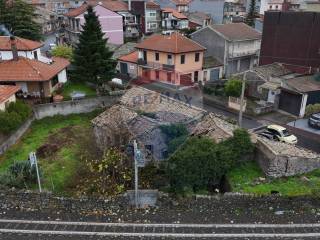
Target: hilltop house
x=152, y=17
x=198, y=20
x=111, y=23
x=236, y=45
x=23, y=65
x=172, y=19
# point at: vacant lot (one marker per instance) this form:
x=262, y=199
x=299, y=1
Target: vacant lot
x=250, y=179
x=61, y=143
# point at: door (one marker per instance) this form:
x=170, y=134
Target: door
x=245, y=64
x=290, y=102
x=186, y=79
x=214, y=74
x=124, y=68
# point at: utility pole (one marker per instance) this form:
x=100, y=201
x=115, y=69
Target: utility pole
x=33, y=161
x=242, y=98
x=135, y=149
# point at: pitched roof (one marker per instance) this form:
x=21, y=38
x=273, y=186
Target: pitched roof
x=152, y=5
x=131, y=57
x=25, y=69
x=181, y=2
x=115, y=6
x=21, y=44
x=6, y=91
x=175, y=13
x=236, y=31
x=303, y=84
x=175, y=43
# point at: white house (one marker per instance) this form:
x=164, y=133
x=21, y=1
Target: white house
x=7, y=95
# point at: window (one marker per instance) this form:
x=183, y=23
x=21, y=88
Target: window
x=157, y=75
x=1, y=55
x=169, y=59
x=204, y=75
x=152, y=14
x=196, y=76
x=157, y=56
x=182, y=59
x=169, y=77
x=145, y=55
x=270, y=7
x=197, y=57
x=277, y=7
x=54, y=81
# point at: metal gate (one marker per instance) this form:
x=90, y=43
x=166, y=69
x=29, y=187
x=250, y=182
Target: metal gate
x=123, y=68
x=214, y=74
x=290, y=102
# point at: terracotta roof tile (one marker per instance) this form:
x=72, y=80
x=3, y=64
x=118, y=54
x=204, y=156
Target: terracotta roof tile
x=236, y=31
x=181, y=2
x=115, y=6
x=30, y=70
x=152, y=5
x=175, y=43
x=21, y=43
x=6, y=91
x=175, y=13
x=131, y=57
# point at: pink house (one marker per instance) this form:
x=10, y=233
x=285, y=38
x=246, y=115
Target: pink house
x=111, y=23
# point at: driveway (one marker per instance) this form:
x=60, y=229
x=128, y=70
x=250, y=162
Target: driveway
x=303, y=124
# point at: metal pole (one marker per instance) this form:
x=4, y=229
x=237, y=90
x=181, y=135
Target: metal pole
x=135, y=147
x=38, y=176
x=241, y=98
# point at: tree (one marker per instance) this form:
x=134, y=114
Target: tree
x=252, y=14
x=92, y=58
x=233, y=87
x=19, y=18
x=62, y=51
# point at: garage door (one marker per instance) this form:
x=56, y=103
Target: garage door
x=186, y=79
x=290, y=102
x=123, y=68
x=214, y=74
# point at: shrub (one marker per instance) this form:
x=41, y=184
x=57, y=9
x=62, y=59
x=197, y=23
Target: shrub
x=21, y=108
x=312, y=108
x=63, y=51
x=233, y=87
x=174, y=130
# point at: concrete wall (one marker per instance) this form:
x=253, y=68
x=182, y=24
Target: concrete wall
x=14, y=137
x=278, y=165
x=69, y=107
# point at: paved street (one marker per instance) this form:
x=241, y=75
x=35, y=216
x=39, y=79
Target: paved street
x=24, y=229
x=303, y=124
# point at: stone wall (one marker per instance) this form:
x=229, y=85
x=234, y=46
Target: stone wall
x=14, y=137
x=77, y=106
x=275, y=164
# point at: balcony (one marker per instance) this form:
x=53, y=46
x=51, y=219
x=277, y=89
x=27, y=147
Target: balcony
x=155, y=65
x=243, y=53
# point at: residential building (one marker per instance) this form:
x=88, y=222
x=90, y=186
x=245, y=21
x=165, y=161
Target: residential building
x=111, y=23
x=291, y=38
x=310, y=6
x=278, y=5
x=23, y=65
x=235, y=45
x=7, y=95
x=152, y=17
x=128, y=64
x=25, y=48
x=182, y=6
x=172, y=19
x=172, y=59
x=234, y=12
x=198, y=20
x=48, y=20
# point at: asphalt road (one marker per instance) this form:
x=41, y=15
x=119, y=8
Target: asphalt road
x=23, y=229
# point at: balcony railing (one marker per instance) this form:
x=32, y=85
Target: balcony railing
x=155, y=65
x=243, y=53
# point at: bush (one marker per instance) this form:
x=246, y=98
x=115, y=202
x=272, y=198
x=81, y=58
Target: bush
x=63, y=51
x=14, y=116
x=233, y=88
x=174, y=130
x=312, y=108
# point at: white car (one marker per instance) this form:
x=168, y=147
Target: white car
x=282, y=134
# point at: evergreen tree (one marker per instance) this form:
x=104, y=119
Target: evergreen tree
x=19, y=18
x=92, y=58
x=252, y=14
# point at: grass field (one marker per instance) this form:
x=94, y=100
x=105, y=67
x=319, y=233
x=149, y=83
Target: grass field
x=246, y=179
x=70, y=87
x=59, y=142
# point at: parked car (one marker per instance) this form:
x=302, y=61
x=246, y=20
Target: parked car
x=281, y=134
x=314, y=120
x=267, y=134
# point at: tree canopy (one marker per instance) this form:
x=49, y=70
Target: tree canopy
x=233, y=87
x=19, y=18
x=62, y=51
x=92, y=58
x=252, y=14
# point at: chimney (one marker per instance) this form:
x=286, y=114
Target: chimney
x=14, y=48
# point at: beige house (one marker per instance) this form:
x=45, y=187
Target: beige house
x=7, y=95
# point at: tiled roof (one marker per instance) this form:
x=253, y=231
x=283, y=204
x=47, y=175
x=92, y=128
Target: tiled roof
x=131, y=57
x=210, y=62
x=303, y=84
x=123, y=49
x=236, y=31
x=115, y=6
x=25, y=69
x=152, y=5
x=175, y=13
x=21, y=44
x=6, y=91
x=175, y=43
x=272, y=70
